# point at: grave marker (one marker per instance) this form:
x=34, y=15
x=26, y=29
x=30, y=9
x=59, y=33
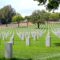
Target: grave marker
x=12, y=39
x=27, y=41
x=8, y=50
x=48, y=41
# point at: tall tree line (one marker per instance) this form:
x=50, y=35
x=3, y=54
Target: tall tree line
x=42, y=17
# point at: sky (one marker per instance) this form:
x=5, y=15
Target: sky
x=24, y=7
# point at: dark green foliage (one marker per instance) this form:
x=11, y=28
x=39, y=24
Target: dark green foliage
x=41, y=1
x=6, y=14
x=39, y=17
x=53, y=5
x=17, y=18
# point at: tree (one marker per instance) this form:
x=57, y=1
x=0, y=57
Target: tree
x=6, y=14
x=17, y=18
x=39, y=17
x=27, y=18
x=51, y=5
x=35, y=17
x=54, y=16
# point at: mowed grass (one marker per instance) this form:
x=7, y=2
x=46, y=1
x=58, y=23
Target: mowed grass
x=37, y=49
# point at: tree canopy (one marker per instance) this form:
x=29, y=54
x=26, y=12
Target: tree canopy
x=39, y=17
x=54, y=16
x=6, y=14
x=17, y=18
x=51, y=5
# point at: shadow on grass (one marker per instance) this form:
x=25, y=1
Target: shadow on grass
x=41, y=28
x=22, y=27
x=15, y=59
x=57, y=44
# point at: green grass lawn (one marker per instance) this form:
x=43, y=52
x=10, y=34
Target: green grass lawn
x=37, y=49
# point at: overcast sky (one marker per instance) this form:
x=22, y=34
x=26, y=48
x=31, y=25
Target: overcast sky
x=25, y=7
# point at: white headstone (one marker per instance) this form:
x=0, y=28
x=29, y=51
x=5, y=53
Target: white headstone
x=3, y=36
x=34, y=36
x=8, y=50
x=40, y=33
x=27, y=41
x=12, y=39
x=18, y=34
x=48, y=41
x=6, y=35
x=22, y=36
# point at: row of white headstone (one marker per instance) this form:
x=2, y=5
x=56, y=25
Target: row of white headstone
x=35, y=35
x=27, y=35
x=56, y=32
x=8, y=46
x=4, y=35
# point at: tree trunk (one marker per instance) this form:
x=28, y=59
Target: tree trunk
x=18, y=24
x=38, y=24
x=6, y=25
